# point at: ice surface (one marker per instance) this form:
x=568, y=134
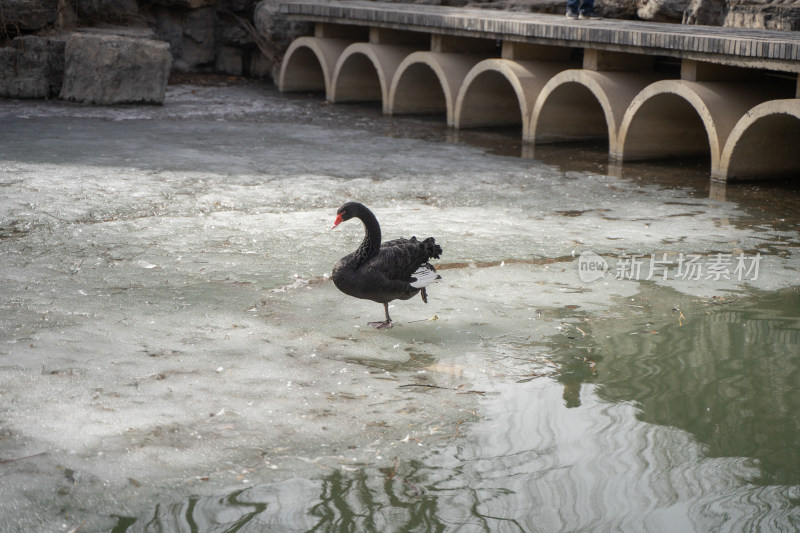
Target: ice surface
x=167, y=325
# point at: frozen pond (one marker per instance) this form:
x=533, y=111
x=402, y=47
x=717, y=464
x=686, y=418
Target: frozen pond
x=173, y=356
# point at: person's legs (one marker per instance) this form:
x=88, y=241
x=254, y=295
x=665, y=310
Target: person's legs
x=587, y=10
x=573, y=8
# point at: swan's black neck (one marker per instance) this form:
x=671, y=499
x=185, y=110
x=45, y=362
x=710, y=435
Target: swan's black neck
x=372, y=234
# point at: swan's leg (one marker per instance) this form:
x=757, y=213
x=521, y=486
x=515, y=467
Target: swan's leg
x=383, y=325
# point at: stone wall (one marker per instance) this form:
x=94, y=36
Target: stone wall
x=248, y=37
x=206, y=36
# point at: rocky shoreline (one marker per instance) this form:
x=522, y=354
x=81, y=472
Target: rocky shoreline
x=106, y=52
x=110, y=52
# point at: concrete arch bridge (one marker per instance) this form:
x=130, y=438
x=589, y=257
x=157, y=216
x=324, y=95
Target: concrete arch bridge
x=652, y=91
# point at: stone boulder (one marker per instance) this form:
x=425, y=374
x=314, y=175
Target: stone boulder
x=617, y=9
x=111, y=69
x=275, y=28
x=32, y=67
x=662, y=10
x=26, y=15
x=115, y=11
x=190, y=34
x=768, y=15
x=705, y=12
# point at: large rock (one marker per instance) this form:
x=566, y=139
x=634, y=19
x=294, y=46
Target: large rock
x=116, y=11
x=238, y=5
x=110, y=69
x=763, y=15
x=32, y=67
x=705, y=12
x=190, y=34
x=662, y=10
x=198, y=36
x=275, y=27
x=26, y=15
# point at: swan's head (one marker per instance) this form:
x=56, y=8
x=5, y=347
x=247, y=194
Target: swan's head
x=346, y=212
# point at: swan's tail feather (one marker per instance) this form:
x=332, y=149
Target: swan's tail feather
x=433, y=249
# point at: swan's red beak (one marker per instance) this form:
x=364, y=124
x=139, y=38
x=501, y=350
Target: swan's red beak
x=337, y=221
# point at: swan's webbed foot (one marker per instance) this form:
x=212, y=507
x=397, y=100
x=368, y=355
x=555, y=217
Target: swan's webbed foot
x=386, y=324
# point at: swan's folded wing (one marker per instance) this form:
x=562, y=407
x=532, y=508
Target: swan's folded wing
x=400, y=258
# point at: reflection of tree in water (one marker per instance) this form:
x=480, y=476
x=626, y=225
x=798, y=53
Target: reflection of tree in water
x=413, y=496
x=234, y=512
x=352, y=503
x=728, y=374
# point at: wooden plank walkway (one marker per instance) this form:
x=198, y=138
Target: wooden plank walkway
x=775, y=50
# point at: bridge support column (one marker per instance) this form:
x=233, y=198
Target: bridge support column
x=581, y=105
x=428, y=83
x=588, y=104
x=502, y=92
x=364, y=73
x=309, y=64
x=679, y=118
x=763, y=144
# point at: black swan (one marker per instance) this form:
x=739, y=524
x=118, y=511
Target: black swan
x=394, y=270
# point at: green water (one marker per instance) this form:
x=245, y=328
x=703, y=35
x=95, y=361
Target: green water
x=728, y=374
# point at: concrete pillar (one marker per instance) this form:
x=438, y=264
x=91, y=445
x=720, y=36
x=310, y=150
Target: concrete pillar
x=408, y=38
x=589, y=104
x=323, y=30
x=678, y=118
x=765, y=143
x=602, y=60
x=500, y=92
x=309, y=64
x=579, y=105
x=701, y=71
x=517, y=51
x=364, y=73
x=428, y=83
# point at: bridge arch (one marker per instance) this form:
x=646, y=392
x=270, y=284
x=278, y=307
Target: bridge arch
x=764, y=143
x=428, y=83
x=364, y=73
x=309, y=63
x=502, y=92
x=577, y=105
x=680, y=118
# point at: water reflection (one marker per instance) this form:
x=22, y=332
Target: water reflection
x=728, y=377
x=651, y=425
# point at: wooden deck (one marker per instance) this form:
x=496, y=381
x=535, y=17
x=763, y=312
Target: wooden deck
x=774, y=50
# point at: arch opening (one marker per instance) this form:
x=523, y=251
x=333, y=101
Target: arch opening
x=358, y=81
x=490, y=101
x=419, y=91
x=303, y=72
x=767, y=149
x=571, y=113
x=665, y=127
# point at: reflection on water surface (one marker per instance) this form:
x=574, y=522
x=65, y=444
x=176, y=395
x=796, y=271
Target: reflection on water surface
x=686, y=421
